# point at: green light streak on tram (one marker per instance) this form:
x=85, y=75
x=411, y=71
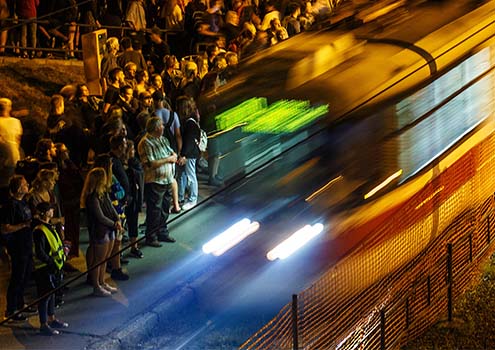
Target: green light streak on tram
x=283, y=116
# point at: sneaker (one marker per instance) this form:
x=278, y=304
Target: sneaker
x=100, y=292
x=173, y=210
x=119, y=275
x=59, y=302
x=109, y=288
x=136, y=253
x=47, y=330
x=166, y=239
x=214, y=181
x=189, y=205
x=154, y=244
x=58, y=324
x=17, y=318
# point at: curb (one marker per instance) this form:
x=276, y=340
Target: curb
x=141, y=328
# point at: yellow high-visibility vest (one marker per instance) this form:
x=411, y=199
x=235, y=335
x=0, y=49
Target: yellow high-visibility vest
x=56, y=248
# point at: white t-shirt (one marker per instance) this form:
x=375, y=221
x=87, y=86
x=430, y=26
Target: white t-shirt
x=10, y=133
x=265, y=25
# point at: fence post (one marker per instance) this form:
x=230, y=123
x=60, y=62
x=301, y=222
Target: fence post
x=407, y=313
x=295, y=340
x=488, y=228
x=449, y=281
x=382, y=329
x=428, y=292
x=470, y=247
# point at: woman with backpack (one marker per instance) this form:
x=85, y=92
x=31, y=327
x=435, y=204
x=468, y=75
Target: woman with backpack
x=190, y=152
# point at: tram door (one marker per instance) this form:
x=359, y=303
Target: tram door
x=93, y=45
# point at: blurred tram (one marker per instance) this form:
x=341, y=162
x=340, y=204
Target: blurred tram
x=363, y=115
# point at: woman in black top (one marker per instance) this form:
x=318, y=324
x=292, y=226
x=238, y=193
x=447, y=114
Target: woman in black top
x=186, y=108
x=135, y=173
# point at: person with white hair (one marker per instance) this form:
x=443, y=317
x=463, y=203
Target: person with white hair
x=109, y=61
x=10, y=135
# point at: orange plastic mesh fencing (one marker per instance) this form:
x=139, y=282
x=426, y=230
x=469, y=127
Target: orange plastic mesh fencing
x=396, y=282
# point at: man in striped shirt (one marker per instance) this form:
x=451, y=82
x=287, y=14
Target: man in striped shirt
x=158, y=160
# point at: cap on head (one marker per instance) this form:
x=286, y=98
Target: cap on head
x=43, y=207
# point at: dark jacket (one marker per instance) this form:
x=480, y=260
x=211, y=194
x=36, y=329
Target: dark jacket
x=135, y=173
x=101, y=215
x=121, y=175
x=190, y=139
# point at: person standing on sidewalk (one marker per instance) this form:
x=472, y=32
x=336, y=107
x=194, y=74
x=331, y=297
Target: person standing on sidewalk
x=26, y=10
x=48, y=259
x=18, y=237
x=186, y=107
x=158, y=161
x=103, y=223
x=135, y=174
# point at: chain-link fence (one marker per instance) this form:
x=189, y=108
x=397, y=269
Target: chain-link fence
x=406, y=275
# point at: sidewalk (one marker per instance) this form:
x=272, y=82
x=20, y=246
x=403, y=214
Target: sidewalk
x=92, y=319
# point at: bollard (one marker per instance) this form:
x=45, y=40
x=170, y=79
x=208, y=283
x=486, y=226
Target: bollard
x=295, y=340
x=449, y=281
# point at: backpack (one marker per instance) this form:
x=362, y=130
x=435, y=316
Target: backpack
x=168, y=133
x=203, y=138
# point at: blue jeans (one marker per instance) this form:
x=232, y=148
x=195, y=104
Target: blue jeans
x=157, y=198
x=189, y=180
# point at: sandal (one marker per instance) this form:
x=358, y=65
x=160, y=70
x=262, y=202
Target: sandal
x=175, y=211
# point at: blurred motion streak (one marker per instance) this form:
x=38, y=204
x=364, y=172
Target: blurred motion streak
x=383, y=184
x=324, y=188
x=230, y=237
x=294, y=242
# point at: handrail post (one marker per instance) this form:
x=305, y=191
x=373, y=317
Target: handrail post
x=295, y=340
x=449, y=281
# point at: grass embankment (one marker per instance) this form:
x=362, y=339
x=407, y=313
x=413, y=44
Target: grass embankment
x=473, y=326
x=31, y=83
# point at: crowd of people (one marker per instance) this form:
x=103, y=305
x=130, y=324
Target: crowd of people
x=240, y=26
x=136, y=146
